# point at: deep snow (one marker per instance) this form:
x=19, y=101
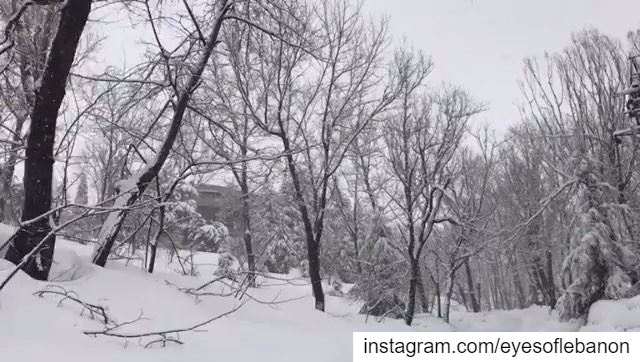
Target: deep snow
x=41, y=328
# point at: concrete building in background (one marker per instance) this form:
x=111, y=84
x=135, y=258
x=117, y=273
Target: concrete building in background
x=221, y=203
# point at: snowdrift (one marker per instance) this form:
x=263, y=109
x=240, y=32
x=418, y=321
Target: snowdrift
x=276, y=323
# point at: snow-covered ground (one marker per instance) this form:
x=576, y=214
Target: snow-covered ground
x=278, y=322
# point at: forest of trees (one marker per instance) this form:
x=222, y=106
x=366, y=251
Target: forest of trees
x=352, y=165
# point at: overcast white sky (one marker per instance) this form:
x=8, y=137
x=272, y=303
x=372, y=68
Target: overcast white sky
x=480, y=44
x=477, y=44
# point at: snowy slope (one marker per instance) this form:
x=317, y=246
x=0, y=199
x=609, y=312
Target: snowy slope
x=282, y=331
x=37, y=328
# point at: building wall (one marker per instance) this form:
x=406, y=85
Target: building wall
x=222, y=204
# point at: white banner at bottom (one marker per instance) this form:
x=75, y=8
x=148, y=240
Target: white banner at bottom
x=496, y=346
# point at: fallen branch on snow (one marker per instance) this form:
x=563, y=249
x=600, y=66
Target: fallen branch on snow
x=238, y=292
x=112, y=328
x=94, y=310
x=164, y=337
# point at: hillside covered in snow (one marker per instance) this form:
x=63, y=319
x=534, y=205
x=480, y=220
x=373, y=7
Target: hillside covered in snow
x=273, y=322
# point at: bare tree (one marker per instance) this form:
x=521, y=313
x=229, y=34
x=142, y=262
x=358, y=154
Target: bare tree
x=316, y=95
x=24, y=66
x=422, y=136
x=469, y=209
x=132, y=190
x=38, y=172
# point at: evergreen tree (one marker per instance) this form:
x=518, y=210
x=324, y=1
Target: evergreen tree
x=599, y=265
x=82, y=194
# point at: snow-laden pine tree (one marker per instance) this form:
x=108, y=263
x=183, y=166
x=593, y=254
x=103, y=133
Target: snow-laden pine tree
x=338, y=259
x=600, y=264
x=82, y=193
x=281, y=235
x=381, y=285
x=188, y=228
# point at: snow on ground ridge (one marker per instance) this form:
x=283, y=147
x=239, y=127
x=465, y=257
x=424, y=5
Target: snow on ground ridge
x=278, y=332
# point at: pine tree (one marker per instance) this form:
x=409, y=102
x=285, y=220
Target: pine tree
x=381, y=285
x=82, y=194
x=599, y=265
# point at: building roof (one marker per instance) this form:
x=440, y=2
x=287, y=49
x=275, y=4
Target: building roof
x=207, y=188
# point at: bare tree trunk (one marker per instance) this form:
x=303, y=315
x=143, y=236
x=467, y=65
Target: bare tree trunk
x=313, y=254
x=312, y=240
x=495, y=295
x=413, y=284
x=422, y=294
x=246, y=225
x=7, y=172
x=501, y=285
x=436, y=282
x=38, y=172
x=517, y=283
x=356, y=230
x=479, y=294
x=463, y=294
x=450, y=283
x=439, y=300
x=153, y=248
x=543, y=282
x=475, y=306
x=551, y=286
